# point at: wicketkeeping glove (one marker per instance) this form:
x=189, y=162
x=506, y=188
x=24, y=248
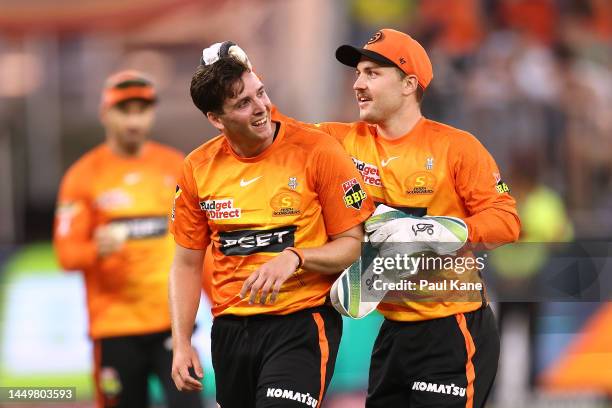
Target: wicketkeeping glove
x=440, y=234
x=224, y=49
x=353, y=295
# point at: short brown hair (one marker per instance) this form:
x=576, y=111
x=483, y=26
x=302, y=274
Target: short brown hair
x=212, y=84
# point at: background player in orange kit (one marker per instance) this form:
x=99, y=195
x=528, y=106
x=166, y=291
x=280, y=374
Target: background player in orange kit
x=282, y=205
x=111, y=223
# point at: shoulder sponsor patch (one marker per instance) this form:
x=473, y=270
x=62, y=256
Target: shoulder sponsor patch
x=500, y=186
x=353, y=194
x=65, y=213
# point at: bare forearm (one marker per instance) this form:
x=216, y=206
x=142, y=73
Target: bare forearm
x=334, y=256
x=184, y=300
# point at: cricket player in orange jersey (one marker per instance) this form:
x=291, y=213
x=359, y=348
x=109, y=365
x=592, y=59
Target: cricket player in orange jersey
x=112, y=224
x=283, y=206
x=443, y=353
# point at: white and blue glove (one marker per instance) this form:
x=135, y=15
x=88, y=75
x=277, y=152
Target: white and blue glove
x=393, y=232
x=439, y=234
x=224, y=49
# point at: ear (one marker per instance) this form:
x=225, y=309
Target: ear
x=411, y=84
x=215, y=120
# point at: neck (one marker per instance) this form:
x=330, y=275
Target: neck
x=399, y=124
x=123, y=150
x=251, y=148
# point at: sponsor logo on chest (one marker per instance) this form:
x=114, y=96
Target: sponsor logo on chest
x=246, y=242
x=220, y=209
x=369, y=173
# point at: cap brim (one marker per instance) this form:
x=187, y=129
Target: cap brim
x=349, y=55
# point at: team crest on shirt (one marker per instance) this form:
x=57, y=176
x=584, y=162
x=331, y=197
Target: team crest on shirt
x=286, y=203
x=354, y=195
x=421, y=182
x=292, y=183
x=429, y=163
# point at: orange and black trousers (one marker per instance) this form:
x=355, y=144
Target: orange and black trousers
x=275, y=361
x=445, y=362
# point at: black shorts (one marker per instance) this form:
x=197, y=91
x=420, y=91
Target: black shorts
x=122, y=366
x=447, y=362
x=275, y=361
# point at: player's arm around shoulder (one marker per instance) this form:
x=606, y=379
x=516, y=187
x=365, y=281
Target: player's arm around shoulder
x=493, y=218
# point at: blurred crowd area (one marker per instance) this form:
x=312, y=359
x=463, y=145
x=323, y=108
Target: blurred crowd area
x=530, y=78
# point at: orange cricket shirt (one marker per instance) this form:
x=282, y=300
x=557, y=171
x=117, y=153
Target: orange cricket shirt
x=297, y=193
x=434, y=169
x=127, y=292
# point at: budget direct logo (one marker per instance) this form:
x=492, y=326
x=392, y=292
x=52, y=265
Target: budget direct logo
x=220, y=209
x=369, y=172
x=353, y=194
x=247, y=242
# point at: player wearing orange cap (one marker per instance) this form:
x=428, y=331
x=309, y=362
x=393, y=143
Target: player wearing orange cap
x=282, y=205
x=111, y=223
x=439, y=353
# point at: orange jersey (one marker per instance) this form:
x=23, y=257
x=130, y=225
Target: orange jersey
x=127, y=291
x=298, y=192
x=435, y=169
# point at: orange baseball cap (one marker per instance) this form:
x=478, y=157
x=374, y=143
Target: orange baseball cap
x=391, y=47
x=126, y=85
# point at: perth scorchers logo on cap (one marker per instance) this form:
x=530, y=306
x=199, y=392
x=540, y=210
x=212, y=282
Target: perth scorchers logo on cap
x=353, y=194
x=376, y=37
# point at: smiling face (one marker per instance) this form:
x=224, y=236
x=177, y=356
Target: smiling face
x=380, y=91
x=246, y=116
